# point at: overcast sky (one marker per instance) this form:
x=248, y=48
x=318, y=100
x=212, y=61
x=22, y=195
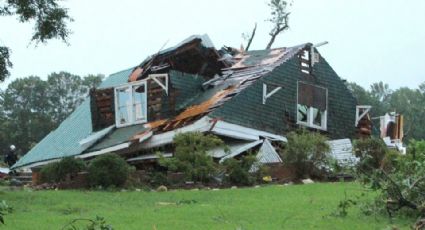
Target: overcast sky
x=369, y=41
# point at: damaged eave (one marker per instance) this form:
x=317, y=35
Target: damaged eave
x=223, y=128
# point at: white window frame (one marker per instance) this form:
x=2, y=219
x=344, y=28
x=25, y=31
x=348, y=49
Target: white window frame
x=131, y=116
x=310, y=113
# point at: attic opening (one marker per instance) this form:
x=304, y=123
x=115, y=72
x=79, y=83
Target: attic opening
x=305, y=61
x=312, y=106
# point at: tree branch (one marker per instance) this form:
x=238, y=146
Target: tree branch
x=251, y=38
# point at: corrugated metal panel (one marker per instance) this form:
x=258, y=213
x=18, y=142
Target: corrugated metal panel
x=233, y=147
x=241, y=149
x=267, y=153
x=342, y=151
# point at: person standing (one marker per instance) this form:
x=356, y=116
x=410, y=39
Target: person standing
x=11, y=157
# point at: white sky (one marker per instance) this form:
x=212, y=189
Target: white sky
x=369, y=41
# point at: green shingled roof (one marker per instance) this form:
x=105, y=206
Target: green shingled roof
x=64, y=141
x=118, y=136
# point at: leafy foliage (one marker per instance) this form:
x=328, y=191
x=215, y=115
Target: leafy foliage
x=4, y=209
x=50, y=22
x=191, y=156
x=371, y=152
x=306, y=151
x=402, y=186
x=99, y=223
x=30, y=107
x=238, y=171
x=108, y=170
x=4, y=62
x=279, y=19
x=60, y=171
x=25, y=116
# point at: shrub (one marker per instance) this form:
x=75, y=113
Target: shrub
x=4, y=209
x=307, y=152
x=108, y=170
x=238, y=171
x=371, y=151
x=190, y=156
x=65, y=169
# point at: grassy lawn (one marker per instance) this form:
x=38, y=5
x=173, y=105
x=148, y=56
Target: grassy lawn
x=270, y=207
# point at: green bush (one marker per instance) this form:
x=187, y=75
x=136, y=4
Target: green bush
x=4, y=209
x=108, y=170
x=63, y=170
x=307, y=152
x=190, y=156
x=371, y=151
x=238, y=171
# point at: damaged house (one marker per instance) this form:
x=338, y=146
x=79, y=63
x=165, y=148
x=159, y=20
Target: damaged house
x=249, y=99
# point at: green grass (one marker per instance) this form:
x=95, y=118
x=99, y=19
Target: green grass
x=269, y=207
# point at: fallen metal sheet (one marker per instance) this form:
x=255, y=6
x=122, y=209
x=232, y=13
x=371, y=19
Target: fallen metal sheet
x=201, y=125
x=241, y=149
x=4, y=170
x=92, y=138
x=267, y=153
x=232, y=147
x=149, y=157
x=342, y=151
x=106, y=150
x=243, y=133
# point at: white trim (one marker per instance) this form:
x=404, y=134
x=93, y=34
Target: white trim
x=155, y=78
x=243, y=133
x=360, y=116
x=41, y=163
x=267, y=95
x=103, y=151
x=148, y=157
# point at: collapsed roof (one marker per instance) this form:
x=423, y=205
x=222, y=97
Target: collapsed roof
x=206, y=79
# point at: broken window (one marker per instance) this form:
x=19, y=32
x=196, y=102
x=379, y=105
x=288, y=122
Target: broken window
x=312, y=106
x=130, y=104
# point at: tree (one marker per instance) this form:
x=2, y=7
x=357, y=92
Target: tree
x=381, y=91
x=50, y=22
x=422, y=88
x=92, y=81
x=249, y=38
x=65, y=93
x=410, y=103
x=25, y=116
x=279, y=19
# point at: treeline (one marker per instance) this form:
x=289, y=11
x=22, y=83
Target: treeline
x=408, y=102
x=30, y=107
